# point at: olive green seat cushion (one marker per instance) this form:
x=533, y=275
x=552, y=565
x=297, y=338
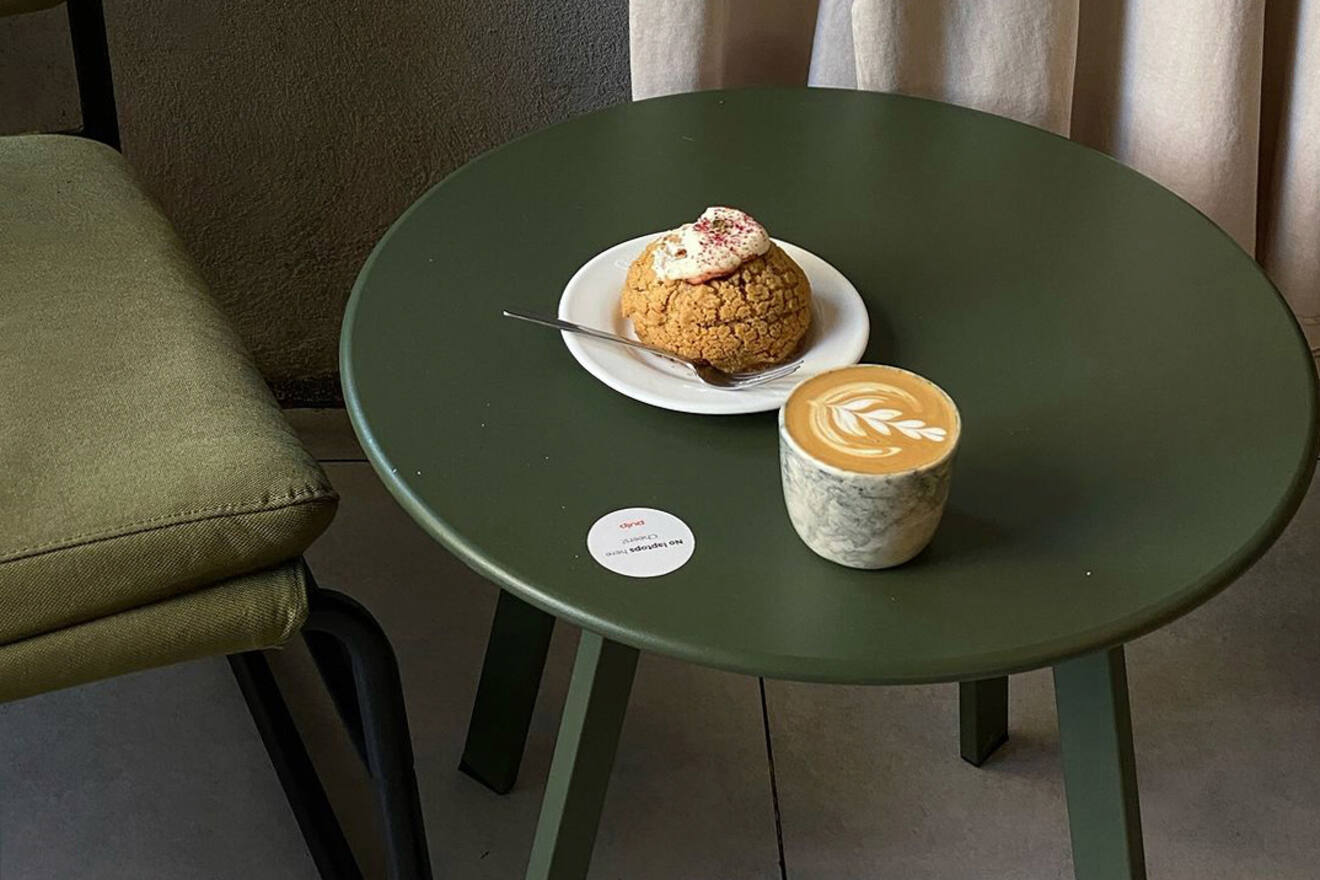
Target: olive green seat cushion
x=259, y=610
x=146, y=466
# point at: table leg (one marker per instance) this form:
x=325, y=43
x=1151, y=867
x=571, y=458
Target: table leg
x=506, y=693
x=584, y=755
x=1099, y=772
x=982, y=717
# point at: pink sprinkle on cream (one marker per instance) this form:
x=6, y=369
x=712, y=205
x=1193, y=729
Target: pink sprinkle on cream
x=720, y=241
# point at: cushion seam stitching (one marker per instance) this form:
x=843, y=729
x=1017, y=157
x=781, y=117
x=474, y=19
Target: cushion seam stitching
x=287, y=630
x=171, y=519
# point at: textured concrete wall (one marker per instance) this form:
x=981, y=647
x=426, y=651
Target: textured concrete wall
x=282, y=136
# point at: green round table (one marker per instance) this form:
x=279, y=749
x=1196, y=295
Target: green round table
x=1139, y=413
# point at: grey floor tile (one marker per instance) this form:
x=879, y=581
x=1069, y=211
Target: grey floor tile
x=154, y=775
x=1226, y=711
x=871, y=785
x=325, y=432
x=690, y=795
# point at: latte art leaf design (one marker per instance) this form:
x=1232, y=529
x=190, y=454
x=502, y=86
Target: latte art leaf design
x=872, y=420
x=850, y=416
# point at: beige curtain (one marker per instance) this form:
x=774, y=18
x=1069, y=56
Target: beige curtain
x=1219, y=100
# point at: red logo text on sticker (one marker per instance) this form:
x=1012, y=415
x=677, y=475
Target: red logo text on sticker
x=640, y=542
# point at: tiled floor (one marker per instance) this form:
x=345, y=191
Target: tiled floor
x=161, y=775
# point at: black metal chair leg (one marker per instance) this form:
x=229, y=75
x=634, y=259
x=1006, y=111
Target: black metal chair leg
x=91, y=59
x=311, y=808
x=336, y=667
x=384, y=725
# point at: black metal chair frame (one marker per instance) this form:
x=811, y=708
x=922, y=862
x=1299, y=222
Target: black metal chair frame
x=357, y=664
x=91, y=61
x=352, y=652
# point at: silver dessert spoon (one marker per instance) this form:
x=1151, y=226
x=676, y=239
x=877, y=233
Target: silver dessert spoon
x=705, y=372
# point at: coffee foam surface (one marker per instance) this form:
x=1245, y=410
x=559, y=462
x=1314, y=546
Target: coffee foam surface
x=872, y=419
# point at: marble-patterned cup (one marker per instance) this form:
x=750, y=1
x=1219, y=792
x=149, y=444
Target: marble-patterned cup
x=866, y=455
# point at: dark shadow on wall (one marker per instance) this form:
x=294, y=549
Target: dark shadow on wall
x=768, y=46
x=1097, y=82
x=1277, y=76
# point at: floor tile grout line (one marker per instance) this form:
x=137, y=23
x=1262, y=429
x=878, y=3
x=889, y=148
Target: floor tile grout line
x=774, y=784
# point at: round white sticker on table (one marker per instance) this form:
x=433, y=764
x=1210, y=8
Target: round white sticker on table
x=640, y=542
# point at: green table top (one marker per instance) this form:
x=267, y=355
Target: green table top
x=1139, y=406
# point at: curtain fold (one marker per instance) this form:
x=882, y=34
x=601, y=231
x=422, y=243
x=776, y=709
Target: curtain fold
x=1184, y=103
x=1219, y=100
x=1289, y=211
x=1014, y=58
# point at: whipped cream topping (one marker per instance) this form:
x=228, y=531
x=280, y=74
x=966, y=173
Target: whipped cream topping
x=720, y=241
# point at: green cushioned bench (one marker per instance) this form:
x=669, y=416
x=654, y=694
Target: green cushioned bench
x=150, y=476
x=154, y=503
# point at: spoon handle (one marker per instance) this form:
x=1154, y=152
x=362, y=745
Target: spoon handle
x=570, y=327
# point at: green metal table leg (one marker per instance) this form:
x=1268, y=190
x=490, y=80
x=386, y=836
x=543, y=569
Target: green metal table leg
x=1099, y=772
x=506, y=694
x=982, y=717
x=584, y=756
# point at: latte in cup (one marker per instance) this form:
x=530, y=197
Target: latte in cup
x=866, y=454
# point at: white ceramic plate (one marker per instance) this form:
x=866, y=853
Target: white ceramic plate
x=840, y=327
